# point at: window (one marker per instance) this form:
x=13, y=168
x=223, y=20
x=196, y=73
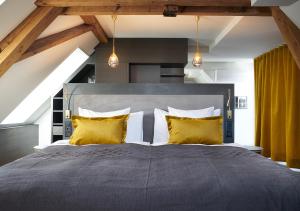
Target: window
x=51, y=85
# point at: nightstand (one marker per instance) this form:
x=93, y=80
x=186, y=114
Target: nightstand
x=38, y=148
x=251, y=148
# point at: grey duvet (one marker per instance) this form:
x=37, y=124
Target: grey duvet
x=136, y=177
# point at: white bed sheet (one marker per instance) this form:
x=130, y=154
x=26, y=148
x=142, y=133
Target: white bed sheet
x=66, y=142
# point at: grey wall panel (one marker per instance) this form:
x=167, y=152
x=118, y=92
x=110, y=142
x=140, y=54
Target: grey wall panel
x=17, y=142
x=145, y=50
x=105, y=97
x=146, y=103
x=144, y=73
x=105, y=74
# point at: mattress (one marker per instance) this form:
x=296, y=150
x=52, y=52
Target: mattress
x=137, y=177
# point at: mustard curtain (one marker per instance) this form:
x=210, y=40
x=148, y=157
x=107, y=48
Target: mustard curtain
x=277, y=106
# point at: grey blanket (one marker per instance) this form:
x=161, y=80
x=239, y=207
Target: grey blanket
x=136, y=177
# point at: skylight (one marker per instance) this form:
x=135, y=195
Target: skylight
x=50, y=86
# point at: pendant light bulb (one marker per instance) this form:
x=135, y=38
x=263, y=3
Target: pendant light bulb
x=113, y=60
x=197, y=60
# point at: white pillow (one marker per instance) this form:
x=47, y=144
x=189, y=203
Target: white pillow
x=135, y=128
x=217, y=112
x=201, y=113
x=134, y=123
x=89, y=113
x=161, y=132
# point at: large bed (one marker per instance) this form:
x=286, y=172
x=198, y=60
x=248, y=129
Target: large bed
x=144, y=176
x=138, y=177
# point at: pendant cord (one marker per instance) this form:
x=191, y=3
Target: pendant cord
x=198, y=34
x=114, y=17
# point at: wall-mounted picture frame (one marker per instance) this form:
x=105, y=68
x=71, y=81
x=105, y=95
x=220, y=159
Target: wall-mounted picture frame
x=241, y=102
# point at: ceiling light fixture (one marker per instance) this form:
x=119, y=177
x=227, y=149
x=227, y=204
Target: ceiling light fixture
x=113, y=60
x=197, y=60
x=170, y=11
x=2, y=1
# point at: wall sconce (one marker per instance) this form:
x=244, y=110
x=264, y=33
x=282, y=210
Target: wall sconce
x=68, y=112
x=229, y=111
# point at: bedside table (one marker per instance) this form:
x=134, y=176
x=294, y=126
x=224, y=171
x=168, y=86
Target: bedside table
x=38, y=148
x=251, y=148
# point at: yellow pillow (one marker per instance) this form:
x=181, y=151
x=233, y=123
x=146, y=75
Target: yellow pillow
x=195, y=130
x=100, y=130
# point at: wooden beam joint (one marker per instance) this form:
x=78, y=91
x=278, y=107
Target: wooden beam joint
x=97, y=28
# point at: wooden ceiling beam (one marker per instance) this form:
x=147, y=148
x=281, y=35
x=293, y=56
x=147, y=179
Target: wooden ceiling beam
x=9, y=38
x=95, y=3
x=157, y=10
x=109, y=10
x=97, y=28
x=289, y=31
x=17, y=42
x=50, y=41
x=227, y=11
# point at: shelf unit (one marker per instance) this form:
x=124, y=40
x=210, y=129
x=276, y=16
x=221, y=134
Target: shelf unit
x=156, y=73
x=57, y=116
x=85, y=75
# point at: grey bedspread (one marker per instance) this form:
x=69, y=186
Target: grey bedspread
x=136, y=177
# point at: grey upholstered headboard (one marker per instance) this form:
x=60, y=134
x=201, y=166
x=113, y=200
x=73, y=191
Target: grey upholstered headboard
x=146, y=97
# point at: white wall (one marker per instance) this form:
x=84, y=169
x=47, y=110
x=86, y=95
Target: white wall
x=45, y=125
x=242, y=75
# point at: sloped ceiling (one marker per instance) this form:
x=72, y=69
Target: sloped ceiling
x=12, y=12
x=24, y=76
x=251, y=37
x=293, y=11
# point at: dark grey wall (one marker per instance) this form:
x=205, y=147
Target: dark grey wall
x=137, y=51
x=18, y=141
x=144, y=73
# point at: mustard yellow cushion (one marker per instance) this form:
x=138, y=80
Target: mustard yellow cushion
x=100, y=130
x=195, y=130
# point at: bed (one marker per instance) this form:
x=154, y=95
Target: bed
x=145, y=176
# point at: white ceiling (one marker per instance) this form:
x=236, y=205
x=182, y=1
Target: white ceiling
x=251, y=37
x=245, y=38
x=164, y=27
x=10, y=20
x=293, y=12
x=62, y=23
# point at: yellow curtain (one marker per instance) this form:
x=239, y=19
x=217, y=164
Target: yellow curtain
x=277, y=106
